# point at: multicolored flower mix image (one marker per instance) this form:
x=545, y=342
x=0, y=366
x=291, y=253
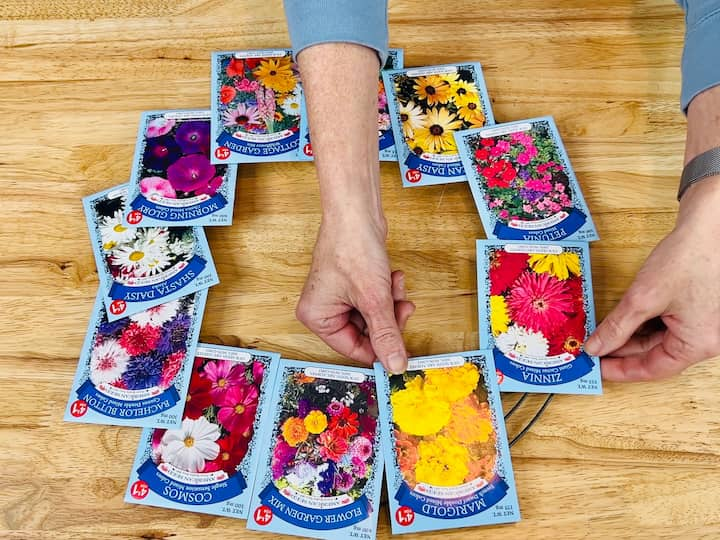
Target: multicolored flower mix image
x=384, y=124
x=537, y=302
x=219, y=418
x=324, y=445
x=443, y=427
x=145, y=350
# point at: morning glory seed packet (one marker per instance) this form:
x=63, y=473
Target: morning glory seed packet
x=142, y=267
x=208, y=463
x=447, y=457
x=535, y=305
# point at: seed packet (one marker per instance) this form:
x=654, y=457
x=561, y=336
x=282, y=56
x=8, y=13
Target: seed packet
x=385, y=134
x=523, y=184
x=445, y=446
x=135, y=371
x=208, y=463
x=322, y=474
x=256, y=103
x=535, y=304
x=173, y=182
x=427, y=105
x=142, y=267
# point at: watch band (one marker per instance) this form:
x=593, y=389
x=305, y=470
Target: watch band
x=702, y=166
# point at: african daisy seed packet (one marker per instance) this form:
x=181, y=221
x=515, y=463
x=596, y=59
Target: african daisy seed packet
x=523, y=184
x=386, y=140
x=256, y=103
x=447, y=457
x=208, y=463
x=536, y=309
x=322, y=472
x=142, y=267
x=173, y=182
x=426, y=106
x=135, y=371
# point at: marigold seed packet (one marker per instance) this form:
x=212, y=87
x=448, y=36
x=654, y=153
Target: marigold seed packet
x=208, y=463
x=426, y=106
x=445, y=446
x=322, y=474
x=536, y=309
x=523, y=184
x=385, y=135
x=142, y=267
x=135, y=371
x=256, y=104
x=173, y=182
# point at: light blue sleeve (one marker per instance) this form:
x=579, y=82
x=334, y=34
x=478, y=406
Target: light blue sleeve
x=701, y=57
x=327, y=21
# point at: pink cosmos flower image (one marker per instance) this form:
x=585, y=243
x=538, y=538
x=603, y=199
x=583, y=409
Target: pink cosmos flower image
x=223, y=375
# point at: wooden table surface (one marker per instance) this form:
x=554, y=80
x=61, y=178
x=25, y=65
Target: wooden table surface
x=641, y=461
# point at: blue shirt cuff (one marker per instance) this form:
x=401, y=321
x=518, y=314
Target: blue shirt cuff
x=701, y=56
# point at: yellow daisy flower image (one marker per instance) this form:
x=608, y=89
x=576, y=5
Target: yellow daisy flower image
x=471, y=109
x=412, y=117
x=436, y=135
x=433, y=89
x=463, y=93
x=276, y=74
x=561, y=266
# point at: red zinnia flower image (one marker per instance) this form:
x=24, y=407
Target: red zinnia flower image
x=138, y=339
x=198, y=398
x=570, y=336
x=227, y=94
x=346, y=423
x=539, y=302
x=333, y=445
x=236, y=68
x=504, y=269
x=575, y=288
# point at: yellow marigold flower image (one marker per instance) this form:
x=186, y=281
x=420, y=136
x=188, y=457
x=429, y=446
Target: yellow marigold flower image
x=315, y=422
x=433, y=89
x=463, y=93
x=294, y=431
x=560, y=266
x=441, y=462
x=451, y=384
x=415, y=413
x=436, y=135
x=276, y=73
x=469, y=422
x=499, y=318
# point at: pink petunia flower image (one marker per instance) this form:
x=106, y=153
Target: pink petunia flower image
x=155, y=185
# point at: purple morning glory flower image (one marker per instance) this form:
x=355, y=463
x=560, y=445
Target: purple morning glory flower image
x=190, y=173
x=160, y=152
x=194, y=137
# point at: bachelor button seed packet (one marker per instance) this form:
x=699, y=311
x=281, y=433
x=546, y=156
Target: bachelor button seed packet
x=173, y=182
x=385, y=134
x=535, y=304
x=523, y=184
x=142, y=267
x=135, y=371
x=256, y=103
x=446, y=451
x=208, y=464
x=322, y=474
x=427, y=105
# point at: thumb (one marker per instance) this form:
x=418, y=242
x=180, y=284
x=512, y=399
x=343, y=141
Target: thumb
x=385, y=337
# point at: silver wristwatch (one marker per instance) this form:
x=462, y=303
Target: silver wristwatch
x=702, y=166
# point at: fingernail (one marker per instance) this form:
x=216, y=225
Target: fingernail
x=401, y=283
x=396, y=364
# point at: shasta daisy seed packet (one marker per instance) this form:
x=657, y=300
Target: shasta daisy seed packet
x=523, y=184
x=447, y=458
x=256, y=103
x=427, y=105
x=321, y=476
x=385, y=135
x=208, y=463
x=135, y=371
x=173, y=182
x=142, y=267
x=535, y=304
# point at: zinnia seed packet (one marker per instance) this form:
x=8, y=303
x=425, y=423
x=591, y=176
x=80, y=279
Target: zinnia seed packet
x=135, y=371
x=256, y=104
x=427, y=105
x=208, y=463
x=536, y=309
x=386, y=140
x=523, y=183
x=173, y=182
x=322, y=472
x=447, y=458
x=142, y=267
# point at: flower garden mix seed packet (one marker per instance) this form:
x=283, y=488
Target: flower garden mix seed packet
x=427, y=105
x=256, y=103
x=446, y=452
x=535, y=304
x=142, y=267
x=208, y=464
x=322, y=473
x=523, y=184
x=385, y=134
x=135, y=371
x=173, y=182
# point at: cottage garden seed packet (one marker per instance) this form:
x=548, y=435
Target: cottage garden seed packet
x=135, y=371
x=256, y=103
x=173, y=182
x=523, y=184
x=208, y=463
x=445, y=445
x=322, y=474
x=141, y=267
x=535, y=304
x=427, y=105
